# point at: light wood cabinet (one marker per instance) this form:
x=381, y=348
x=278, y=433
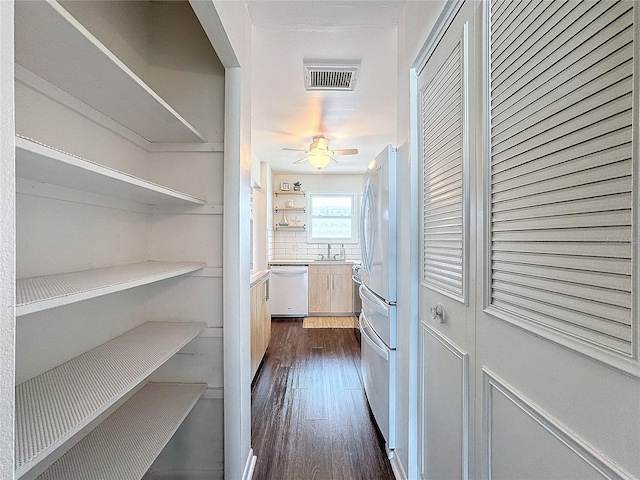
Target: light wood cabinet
x=260, y=323
x=330, y=290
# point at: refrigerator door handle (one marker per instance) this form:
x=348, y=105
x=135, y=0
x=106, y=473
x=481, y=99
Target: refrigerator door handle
x=374, y=302
x=371, y=338
x=366, y=236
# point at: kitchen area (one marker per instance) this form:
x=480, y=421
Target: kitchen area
x=327, y=250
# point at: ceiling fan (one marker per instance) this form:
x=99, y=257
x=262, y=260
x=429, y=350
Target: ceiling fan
x=318, y=153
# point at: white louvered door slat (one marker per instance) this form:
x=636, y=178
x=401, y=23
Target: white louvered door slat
x=561, y=168
x=443, y=170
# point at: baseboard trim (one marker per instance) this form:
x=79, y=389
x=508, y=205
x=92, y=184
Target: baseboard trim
x=250, y=466
x=396, y=466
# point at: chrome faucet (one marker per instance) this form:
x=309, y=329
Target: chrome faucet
x=328, y=250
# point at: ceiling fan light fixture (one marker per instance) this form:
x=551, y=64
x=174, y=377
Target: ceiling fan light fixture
x=319, y=161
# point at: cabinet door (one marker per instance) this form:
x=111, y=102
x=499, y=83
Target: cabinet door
x=264, y=318
x=255, y=329
x=319, y=289
x=341, y=293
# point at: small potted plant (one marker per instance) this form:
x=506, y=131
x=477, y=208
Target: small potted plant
x=296, y=186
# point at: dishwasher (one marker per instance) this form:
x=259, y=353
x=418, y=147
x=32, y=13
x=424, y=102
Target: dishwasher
x=289, y=286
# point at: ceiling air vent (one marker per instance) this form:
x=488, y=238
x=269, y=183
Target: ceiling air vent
x=330, y=77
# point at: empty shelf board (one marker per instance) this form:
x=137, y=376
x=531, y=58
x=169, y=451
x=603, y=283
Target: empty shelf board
x=54, y=410
x=55, y=46
x=124, y=446
x=42, y=163
x=41, y=293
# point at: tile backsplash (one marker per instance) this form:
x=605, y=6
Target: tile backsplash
x=284, y=245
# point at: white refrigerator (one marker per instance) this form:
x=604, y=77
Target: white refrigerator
x=378, y=291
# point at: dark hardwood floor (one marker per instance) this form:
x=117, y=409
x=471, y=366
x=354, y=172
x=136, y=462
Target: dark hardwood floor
x=310, y=418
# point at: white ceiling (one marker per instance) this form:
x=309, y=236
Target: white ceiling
x=288, y=33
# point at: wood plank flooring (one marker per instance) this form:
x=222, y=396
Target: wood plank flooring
x=310, y=418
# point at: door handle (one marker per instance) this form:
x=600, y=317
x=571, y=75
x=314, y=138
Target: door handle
x=437, y=313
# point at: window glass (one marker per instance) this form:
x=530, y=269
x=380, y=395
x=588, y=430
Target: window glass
x=332, y=218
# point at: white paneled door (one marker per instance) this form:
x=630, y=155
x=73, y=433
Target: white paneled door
x=446, y=296
x=529, y=122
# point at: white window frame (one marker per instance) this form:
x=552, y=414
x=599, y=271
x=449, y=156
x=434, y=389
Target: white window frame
x=354, y=218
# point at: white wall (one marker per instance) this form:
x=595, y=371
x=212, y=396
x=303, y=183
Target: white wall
x=236, y=57
x=7, y=242
x=415, y=25
x=259, y=215
x=293, y=245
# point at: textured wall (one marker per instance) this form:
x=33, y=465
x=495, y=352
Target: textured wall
x=7, y=240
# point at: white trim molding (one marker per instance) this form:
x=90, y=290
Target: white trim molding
x=250, y=466
x=396, y=467
x=491, y=384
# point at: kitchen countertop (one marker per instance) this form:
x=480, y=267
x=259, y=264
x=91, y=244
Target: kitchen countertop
x=313, y=262
x=258, y=276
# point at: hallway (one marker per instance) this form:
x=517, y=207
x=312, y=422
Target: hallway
x=310, y=418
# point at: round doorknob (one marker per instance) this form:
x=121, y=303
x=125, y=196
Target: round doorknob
x=437, y=313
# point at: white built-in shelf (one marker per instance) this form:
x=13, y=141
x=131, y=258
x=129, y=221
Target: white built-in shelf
x=55, y=46
x=41, y=163
x=54, y=410
x=291, y=209
x=299, y=228
x=42, y=293
x=290, y=192
x=124, y=446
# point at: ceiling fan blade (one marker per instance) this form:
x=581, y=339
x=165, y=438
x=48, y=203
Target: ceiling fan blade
x=346, y=151
x=332, y=161
x=294, y=150
x=303, y=159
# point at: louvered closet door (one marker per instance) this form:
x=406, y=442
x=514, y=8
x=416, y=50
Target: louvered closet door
x=557, y=322
x=446, y=155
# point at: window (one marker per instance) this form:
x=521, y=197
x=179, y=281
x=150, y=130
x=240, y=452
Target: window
x=332, y=218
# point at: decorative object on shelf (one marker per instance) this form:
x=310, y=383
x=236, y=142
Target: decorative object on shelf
x=285, y=186
x=283, y=220
x=296, y=186
x=289, y=203
x=295, y=222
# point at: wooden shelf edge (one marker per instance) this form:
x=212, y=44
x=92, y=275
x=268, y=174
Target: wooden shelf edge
x=291, y=209
x=35, y=294
x=76, y=393
x=300, y=228
x=148, y=420
x=292, y=192
x=40, y=162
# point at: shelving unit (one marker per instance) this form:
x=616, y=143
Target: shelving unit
x=86, y=68
x=81, y=102
x=56, y=408
x=41, y=163
x=124, y=446
x=41, y=293
x=301, y=209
